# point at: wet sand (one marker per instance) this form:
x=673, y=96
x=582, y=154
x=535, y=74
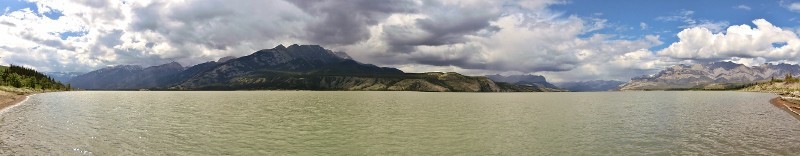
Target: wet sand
x=8, y=99
x=790, y=107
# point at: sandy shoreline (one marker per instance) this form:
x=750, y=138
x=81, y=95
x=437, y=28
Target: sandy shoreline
x=792, y=108
x=8, y=99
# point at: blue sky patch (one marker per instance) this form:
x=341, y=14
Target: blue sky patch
x=635, y=19
x=15, y=5
x=779, y=44
x=67, y=34
x=53, y=14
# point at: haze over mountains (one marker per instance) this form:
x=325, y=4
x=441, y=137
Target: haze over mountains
x=715, y=75
x=301, y=67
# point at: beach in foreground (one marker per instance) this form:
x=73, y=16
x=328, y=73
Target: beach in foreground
x=8, y=99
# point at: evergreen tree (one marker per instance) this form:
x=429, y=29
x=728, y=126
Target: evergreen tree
x=21, y=77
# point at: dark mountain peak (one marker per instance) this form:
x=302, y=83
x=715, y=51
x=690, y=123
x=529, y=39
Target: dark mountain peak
x=171, y=65
x=295, y=47
x=280, y=46
x=589, y=86
x=343, y=55
x=727, y=65
x=228, y=58
x=123, y=67
x=517, y=78
x=526, y=80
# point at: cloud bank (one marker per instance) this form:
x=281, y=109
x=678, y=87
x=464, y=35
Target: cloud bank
x=764, y=42
x=471, y=36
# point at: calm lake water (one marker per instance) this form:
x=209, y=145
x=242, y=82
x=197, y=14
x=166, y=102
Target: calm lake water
x=397, y=123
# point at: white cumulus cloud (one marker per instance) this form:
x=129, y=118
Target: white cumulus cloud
x=764, y=41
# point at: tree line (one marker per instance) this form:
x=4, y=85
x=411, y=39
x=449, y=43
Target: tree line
x=21, y=77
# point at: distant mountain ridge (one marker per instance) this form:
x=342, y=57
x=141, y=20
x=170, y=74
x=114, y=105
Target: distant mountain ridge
x=590, y=86
x=297, y=67
x=128, y=77
x=535, y=81
x=63, y=76
x=715, y=75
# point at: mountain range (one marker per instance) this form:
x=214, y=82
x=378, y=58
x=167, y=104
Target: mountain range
x=312, y=67
x=710, y=76
x=537, y=82
x=590, y=86
x=63, y=76
x=297, y=67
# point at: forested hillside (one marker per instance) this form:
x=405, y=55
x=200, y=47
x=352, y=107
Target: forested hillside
x=21, y=77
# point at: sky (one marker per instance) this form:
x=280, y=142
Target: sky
x=564, y=40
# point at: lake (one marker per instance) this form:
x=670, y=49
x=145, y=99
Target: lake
x=397, y=123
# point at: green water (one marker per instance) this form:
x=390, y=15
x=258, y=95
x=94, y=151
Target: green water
x=397, y=123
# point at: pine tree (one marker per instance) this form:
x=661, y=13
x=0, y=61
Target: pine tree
x=21, y=77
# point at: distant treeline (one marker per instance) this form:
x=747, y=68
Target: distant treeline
x=21, y=77
x=788, y=78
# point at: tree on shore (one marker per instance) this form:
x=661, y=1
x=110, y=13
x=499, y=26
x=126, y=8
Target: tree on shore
x=21, y=77
x=789, y=78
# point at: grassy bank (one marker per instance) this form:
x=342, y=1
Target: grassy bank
x=24, y=91
x=774, y=87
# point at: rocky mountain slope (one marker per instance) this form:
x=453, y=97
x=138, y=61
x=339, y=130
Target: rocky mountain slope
x=297, y=67
x=128, y=77
x=591, y=86
x=534, y=82
x=715, y=75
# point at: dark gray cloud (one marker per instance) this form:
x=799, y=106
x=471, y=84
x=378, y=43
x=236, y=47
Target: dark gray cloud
x=216, y=25
x=147, y=17
x=55, y=43
x=8, y=23
x=345, y=22
x=492, y=36
x=111, y=38
x=444, y=25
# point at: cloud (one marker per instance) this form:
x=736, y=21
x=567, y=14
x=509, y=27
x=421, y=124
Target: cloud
x=764, y=41
x=793, y=6
x=441, y=23
x=687, y=17
x=471, y=36
x=521, y=43
x=346, y=22
x=743, y=7
x=643, y=25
